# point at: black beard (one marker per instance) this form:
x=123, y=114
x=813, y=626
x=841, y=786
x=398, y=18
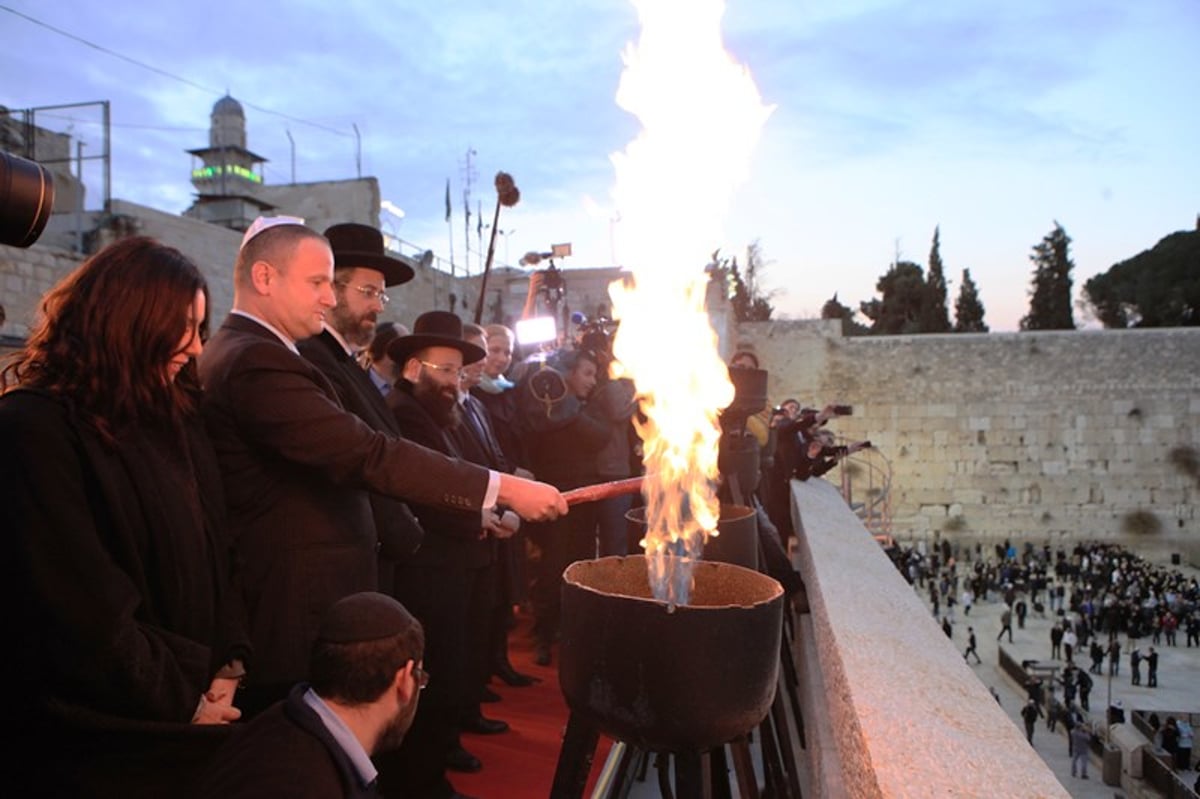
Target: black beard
x=438, y=403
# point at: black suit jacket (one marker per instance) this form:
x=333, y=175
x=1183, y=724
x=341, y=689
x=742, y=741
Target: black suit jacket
x=398, y=530
x=284, y=752
x=452, y=538
x=297, y=469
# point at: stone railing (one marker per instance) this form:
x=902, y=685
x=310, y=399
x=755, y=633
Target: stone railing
x=890, y=708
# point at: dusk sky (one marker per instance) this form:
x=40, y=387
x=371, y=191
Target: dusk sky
x=989, y=119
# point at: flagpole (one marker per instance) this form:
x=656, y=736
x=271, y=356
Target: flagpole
x=450, y=236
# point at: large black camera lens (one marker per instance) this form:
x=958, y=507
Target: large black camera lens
x=26, y=199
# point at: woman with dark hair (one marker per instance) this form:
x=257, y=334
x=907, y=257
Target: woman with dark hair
x=119, y=620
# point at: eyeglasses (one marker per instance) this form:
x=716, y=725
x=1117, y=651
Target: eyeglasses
x=444, y=368
x=421, y=676
x=370, y=292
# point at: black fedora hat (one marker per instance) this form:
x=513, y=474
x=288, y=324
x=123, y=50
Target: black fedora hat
x=434, y=329
x=356, y=245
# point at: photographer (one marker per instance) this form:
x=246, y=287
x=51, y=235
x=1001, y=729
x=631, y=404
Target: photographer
x=819, y=454
x=563, y=434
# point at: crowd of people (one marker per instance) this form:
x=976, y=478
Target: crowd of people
x=187, y=509
x=1097, y=596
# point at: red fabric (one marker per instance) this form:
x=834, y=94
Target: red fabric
x=520, y=763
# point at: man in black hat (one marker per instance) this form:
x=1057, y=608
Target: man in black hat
x=362, y=272
x=298, y=467
x=366, y=677
x=445, y=583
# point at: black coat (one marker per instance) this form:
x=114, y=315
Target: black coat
x=115, y=580
x=286, y=752
x=397, y=529
x=297, y=471
x=452, y=537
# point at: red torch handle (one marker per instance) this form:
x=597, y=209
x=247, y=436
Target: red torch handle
x=595, y=493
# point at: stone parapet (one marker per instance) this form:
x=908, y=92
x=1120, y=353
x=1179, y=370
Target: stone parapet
x=899, y=714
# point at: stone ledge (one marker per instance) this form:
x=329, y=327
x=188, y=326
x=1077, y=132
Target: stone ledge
x=903, y=712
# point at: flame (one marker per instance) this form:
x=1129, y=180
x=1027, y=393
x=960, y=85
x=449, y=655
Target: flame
x=701, y=115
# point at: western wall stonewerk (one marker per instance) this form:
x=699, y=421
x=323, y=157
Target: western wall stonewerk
x=1043, y=436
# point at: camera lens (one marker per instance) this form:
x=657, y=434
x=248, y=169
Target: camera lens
x=26, y=199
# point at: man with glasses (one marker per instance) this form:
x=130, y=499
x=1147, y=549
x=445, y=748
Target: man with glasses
x=297, y=466
x=445, y=583
x=366, y=678
x=362, y=270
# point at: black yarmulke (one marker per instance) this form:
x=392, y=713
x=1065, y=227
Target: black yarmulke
x=366, y=616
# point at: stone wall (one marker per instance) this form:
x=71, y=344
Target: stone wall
x=25, y=275
x=1051, y=436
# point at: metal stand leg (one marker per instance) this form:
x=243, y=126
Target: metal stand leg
x=574, y=759
x=743, y=768
x=693, y=775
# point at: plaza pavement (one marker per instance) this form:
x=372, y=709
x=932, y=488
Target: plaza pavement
x=1178, y=684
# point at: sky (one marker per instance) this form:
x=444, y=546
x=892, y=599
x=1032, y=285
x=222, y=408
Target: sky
x=990, y=121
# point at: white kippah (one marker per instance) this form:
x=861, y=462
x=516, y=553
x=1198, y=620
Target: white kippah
x=265, y=223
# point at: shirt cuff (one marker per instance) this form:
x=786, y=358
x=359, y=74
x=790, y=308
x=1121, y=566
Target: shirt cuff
x=493, y=489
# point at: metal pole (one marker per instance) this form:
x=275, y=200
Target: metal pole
x=357, y=149
x=293, y=143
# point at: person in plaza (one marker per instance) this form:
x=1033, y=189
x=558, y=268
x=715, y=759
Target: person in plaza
x=1097, y=653
x=1030, y=713
x=1006, y=624
x=1152, y=668
x=448, y=584
x=1183, y=744
x=366, y=679
x=1056, y=636
x=1081, y=740
x=118, y=578
x=1069, y=642
x=971, y=643
x=1169, y=737
x=298, y=467
x=1114, y=656
x=1135, y=666
x=1021, y=609
x=1085, y=689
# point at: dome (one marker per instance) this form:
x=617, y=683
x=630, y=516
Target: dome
x=227, y=106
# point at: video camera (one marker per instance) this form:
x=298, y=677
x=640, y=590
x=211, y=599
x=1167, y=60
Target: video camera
x=26, y=200
x=594, y=334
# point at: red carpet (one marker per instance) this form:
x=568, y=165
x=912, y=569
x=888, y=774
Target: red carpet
x=520, y=763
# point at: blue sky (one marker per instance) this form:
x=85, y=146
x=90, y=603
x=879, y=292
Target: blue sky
x=892, y=117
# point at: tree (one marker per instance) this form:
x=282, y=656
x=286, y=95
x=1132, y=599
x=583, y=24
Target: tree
x=968, y=310
x=904, y=296
x=750, y=303
x=935, y=318
x=1050, y=295
x=1159, y=287
x=832, y=309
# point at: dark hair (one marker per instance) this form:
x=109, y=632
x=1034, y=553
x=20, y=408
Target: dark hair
x=567, y=361
x=385, y=334
x=358, y=673
x=107, y=331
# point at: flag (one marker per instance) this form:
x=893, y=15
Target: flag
x=447, y=199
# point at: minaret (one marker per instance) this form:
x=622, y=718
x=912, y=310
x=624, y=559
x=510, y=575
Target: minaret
x=227, y=181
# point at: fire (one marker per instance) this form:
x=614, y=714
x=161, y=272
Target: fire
x=701, y=115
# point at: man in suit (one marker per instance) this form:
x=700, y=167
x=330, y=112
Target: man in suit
x=446, y=584
x=366, y=681
x=362, y=272
x=298, y=466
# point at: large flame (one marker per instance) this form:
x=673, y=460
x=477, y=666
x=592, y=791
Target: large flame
x=701, y=115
